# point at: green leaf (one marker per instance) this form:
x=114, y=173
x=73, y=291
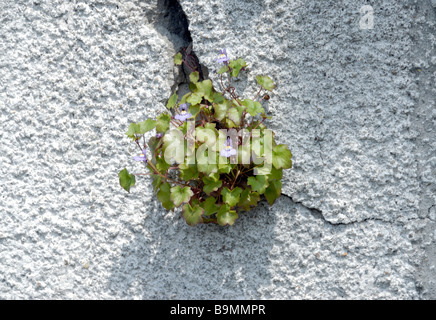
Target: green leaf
x=221, y=110
x=192, y=215
x=157, y=181
x=194, y=76
x=153, y=143
x=183, y=127
x=172, y=101
x=282, y=157
x=192, y=87
x=194, y=110
x=163, y=122
x=223, y=70
x=206, y=135
x=273, y=191
x=126, y=180
x=178, y=59
x=225, y=216
x=211, y=185
x=195, y=98
x=253, y=107
x=164, y=196
x=161, y=165
x=179, y=195
x=133, y=129
x=203, y=164
x=275, y=174
x=211, y=126
x=174, y=146
x=231, y=197
x=248, y=199
x=235, y=115
x=258, y=183
x=209, y=206
x=244, y=154
x=224, y=168
x=266, y=82
x=236, y=66
x=188, y=172
x=205, y=87
x=146, y=126
x=218, y=97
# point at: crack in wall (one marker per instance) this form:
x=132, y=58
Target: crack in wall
x=173, y=23
x=317, y=213
x=172, y=17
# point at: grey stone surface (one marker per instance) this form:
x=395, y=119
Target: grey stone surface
x=357, y=216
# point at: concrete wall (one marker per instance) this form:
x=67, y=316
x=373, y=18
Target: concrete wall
x=356, y=107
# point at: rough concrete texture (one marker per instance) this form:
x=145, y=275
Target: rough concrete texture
x=356, y=107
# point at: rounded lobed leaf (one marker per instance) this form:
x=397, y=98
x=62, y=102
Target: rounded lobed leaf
x=127, y=180
x=210, y=185
x=253, y=107
x=172, y=101
x=282, y=157
x=180, y=195
x=248, y=199
x=193, y=215
x=133, y=130
x=146, y=126
x=223, y=70
x=195, y=98
x=164, y=196
x=194, y=76
x=188, y=172
x=273, y=191
x=236, y=66
x=225, y=216
x=258, y=183
x=231, y=197
x=265, y=82
x=178, y=60
x=163, y=122
x=209, y=205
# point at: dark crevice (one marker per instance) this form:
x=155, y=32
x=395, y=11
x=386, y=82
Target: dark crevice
x=172, y=21
x=172, y=17
x=319, y=215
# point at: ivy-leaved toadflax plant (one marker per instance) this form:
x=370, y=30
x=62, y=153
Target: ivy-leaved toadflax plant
x=212, y=154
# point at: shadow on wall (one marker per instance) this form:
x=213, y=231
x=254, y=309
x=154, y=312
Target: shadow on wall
x=171, y=260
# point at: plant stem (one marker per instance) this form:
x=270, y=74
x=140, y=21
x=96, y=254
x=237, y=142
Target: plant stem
x=236, y=178
x=258, y=93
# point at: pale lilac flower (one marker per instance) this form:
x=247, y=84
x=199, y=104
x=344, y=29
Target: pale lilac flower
x=142, y=157
x=184, y=114
x=228, y=149
x=159, y=135
x=223, y=56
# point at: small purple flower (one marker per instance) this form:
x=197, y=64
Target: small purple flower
x=159, y=135
x=223, y=56
x=184, y=114
x=228, y=149
x=142, y=157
